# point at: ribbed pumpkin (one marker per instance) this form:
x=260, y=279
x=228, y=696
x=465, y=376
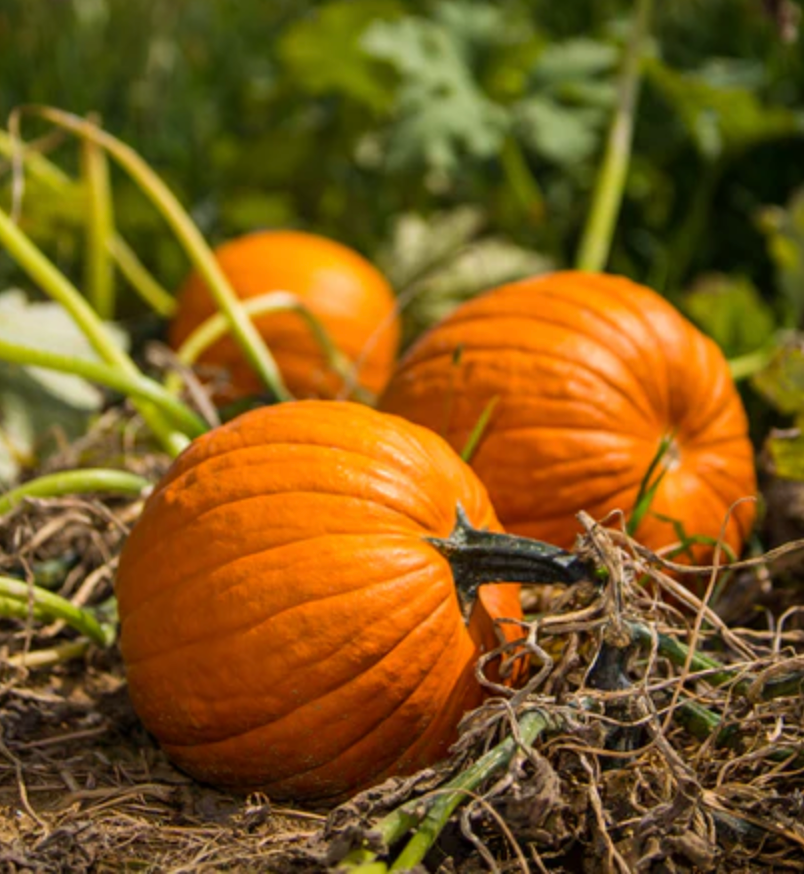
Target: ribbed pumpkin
x=288, y=604
x=345, y=292
x=590, y=372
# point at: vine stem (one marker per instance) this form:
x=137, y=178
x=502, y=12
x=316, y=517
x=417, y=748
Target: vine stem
x=99, y=267
x=429, y=816
x=134, y=385
x=716, y=673
x=216, y=326
x=73, y=482
x=748, y=365
x=140, y=278
x=54, y=655
x=607, y=196
x=187, y=233
x=61, y=185
x=60, y=289
x=20, y=600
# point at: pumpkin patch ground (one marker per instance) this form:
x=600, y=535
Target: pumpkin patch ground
x=666, y=762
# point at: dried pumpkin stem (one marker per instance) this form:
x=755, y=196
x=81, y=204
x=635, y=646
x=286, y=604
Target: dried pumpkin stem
x=478, y=557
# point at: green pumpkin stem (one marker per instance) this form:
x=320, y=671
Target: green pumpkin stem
x=478, y=557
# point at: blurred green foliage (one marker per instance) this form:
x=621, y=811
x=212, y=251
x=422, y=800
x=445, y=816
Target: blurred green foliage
x=455, y=142
x=342, y=116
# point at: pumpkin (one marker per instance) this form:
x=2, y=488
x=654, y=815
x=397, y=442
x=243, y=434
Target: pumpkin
x=349, y=297
x=589, y=374
x=297, y=599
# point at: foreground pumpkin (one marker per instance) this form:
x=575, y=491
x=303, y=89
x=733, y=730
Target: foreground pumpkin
x=293, y=599
x=350, y=298
x=590, y=373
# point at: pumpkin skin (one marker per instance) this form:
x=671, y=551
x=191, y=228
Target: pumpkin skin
x=350, y=298
x=284, y=625
x=591, y=372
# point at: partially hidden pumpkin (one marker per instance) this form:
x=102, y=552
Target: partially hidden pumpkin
x=348, y=295
x=296, y=599
x=585, y=375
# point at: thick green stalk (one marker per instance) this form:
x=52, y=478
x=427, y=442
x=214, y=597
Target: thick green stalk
x=440, y=807
x=607, y=196
x=99, y=266
x=718, y=674
x=74, y=482
x=187, y=233
x=20, y=600
x=134, y=385
x=60, y=289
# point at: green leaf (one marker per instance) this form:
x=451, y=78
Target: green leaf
x=322, y=54
x=784, y=234
x=562, y=135
x=245, y=210
x=441, y=113
x=442, y=261
x=720, y=118
x=580, y=58
x=34, y=402
x=564, y=117
x=732, y=312
x=786, y=450
x=782, y=381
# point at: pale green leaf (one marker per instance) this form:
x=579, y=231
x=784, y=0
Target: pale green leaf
x=784, y=232
x=563, y=135
x=322, y=53
x=782, y=381
x=786, y=451
x=580, y=58
x=441, y=113
x=34, y=402
x=731, y=311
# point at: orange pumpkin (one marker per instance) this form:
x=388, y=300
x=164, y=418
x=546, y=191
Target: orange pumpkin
x=351, y=299
x=289, y=599
x=591, y=373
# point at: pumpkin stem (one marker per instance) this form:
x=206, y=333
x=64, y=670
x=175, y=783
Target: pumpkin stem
x=478, y=557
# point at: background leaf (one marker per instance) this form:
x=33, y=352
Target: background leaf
x=35, y=403
x=732, y=312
